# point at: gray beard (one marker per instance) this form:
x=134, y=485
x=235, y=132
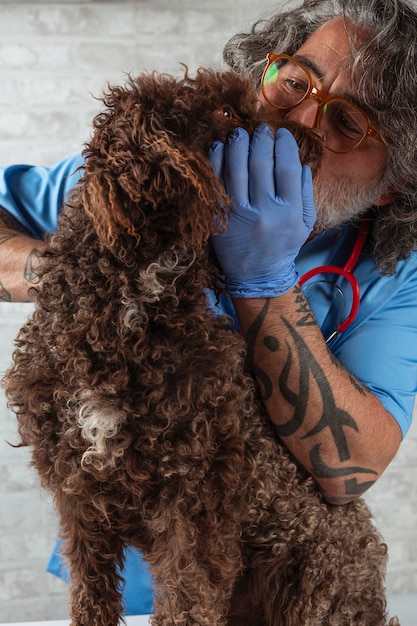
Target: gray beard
x=340, y=201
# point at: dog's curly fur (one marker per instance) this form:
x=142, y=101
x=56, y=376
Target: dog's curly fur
x=144, y=424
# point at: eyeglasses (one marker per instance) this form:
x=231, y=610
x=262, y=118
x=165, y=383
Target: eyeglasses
x=286, y=83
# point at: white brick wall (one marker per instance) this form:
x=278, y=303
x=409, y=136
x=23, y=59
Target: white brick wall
x=53, y=55
x=27, y=521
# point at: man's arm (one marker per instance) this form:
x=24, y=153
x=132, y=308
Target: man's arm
x=30, y=200
x=336, y=428
x=333, y=425
x=19, y=259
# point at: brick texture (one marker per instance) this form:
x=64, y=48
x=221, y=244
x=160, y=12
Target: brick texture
x=54, y=57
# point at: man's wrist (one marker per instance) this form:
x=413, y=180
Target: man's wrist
x=265, y=287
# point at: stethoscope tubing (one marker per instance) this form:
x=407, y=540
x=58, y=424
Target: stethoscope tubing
x=345, y=272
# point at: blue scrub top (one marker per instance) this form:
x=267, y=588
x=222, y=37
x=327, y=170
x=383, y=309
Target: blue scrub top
x=35, y=195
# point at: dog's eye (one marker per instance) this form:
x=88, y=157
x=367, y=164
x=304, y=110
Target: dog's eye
x=227, y=112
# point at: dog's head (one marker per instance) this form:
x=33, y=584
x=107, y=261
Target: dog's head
x=147, y=171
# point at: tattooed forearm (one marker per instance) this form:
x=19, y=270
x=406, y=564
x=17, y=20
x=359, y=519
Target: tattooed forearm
x=20, y=258
x=303, y=308
x=6, y=235
x=5, y=296
x=309, y=371
x=355, y=383
x=303, y=384
x=32, y=265
x=332, y=417
x=271, y=343
x=322, y=470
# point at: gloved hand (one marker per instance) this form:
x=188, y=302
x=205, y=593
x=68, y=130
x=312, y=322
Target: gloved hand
x=272, y=211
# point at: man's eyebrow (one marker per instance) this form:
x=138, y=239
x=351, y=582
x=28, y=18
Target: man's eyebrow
x=317, y=73
x=310, y=65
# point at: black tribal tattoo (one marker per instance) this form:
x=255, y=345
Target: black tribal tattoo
x=31, y=265
x=5, y=296
x=6, y=235
x=303, y=308
x=32, y=261
x=333, y=418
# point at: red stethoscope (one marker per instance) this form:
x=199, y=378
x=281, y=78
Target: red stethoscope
x=346, y=272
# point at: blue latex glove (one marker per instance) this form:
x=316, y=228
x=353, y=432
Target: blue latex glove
x=272, y=211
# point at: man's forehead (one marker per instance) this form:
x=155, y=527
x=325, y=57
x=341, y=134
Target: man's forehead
x=335, y=38
x=327, y=52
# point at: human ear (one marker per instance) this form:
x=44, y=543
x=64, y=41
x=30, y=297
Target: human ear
x=387, y=196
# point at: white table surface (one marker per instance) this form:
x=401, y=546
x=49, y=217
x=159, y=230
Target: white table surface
x=140, y=620
x=405, y=606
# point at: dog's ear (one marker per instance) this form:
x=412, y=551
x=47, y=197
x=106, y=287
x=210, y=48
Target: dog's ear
x=170, y=190
x=139, y=175
x=185, y=191
x=102, y=201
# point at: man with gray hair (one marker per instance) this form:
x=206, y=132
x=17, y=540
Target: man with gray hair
x=325, y=292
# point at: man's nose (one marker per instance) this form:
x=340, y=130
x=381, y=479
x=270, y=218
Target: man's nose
x=307, y=114
x=304, y=113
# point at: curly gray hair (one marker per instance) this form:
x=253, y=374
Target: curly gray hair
x=384, y=72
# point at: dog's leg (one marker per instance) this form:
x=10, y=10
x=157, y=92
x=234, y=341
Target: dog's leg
x=188, y=598
x=190, y=586
x=95, y=599
x=245, y=608
x=332, y=573
x=94, y=555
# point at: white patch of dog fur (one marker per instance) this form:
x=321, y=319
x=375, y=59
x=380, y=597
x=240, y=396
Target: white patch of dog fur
x=99, y=422
x=159, y=277
x=169, y=264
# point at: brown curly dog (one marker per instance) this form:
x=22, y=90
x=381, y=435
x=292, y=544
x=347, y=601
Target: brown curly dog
x=133, y=394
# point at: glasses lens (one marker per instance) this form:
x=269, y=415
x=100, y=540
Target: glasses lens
x=285, y=83
x=344, y=125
